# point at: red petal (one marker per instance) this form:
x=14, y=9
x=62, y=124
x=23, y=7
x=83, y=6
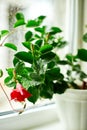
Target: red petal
x=23, y=91
x=17, y=96
x=20, y=93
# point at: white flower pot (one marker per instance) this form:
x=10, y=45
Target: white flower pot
x=72, y=109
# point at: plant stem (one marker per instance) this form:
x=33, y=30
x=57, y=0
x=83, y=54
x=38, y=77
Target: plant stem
x=7, y=37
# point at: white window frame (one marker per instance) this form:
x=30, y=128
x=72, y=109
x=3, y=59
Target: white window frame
x=74, y=21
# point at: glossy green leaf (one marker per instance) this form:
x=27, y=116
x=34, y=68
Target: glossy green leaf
x=29, y=69
x=39, y=43
x=62, y=62
x=40, y=29
x=46, y=92
x=19, y=16
x=25, y=56
x=15, y=60
x=11, y=45
x=19, y=23
x=42, y=17
x=22, y=70
x=82, y=54
x=83, y=75
x=46, y=48
x=35, y=76
x=61, y=44
x=27, y=45
x=37, y=36
x=36, y=22
x=35, y=93
x=53, y=73
x=48, y=56
x=19, y=67
x=4, y=32
x=50, y=64
x=55, y=30
x=28, y=35
x=9, y=82
x=24, y=81
x=77, y=68
x=70, y=57
x=32, y=23
x=60, y=87
x=10, y=71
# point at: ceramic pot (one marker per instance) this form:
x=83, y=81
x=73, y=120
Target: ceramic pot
x=72, y=109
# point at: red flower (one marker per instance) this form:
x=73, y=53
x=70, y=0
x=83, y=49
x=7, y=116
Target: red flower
x=20, y=93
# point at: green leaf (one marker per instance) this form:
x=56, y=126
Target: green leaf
x=69, y=72
x=27, y=45
x=71, y=58
x=24, y=81
x=25, y=56
x=15, y=60
x=36, y=22
x=4, y=32
x=53, y=74
x=50, y=64
x=83, y=75
x=28, y=35
x=35, y=93
x=11, y=45
x=41, y=17
x=55, y=30
x=39, y=43
x=9, y=82
x=1, y=73
x=19, y=67
x=77, y=68
x=35, y=76
x=32, y=23
x=23, y=71
x=46, y=48
x=62, y=62
x=46, y=91
x=37, y=36
x=82, y=54
x=61, y=44
x=48, y=56
x=10, y=71
x=19, y=16
x=85, y=37
x=19, y=23
x=60, y=87
x=29, y=69
x=40, y=29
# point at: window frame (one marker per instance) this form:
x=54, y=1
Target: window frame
x=74, y=21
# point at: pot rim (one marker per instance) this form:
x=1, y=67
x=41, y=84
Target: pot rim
x=74, y=95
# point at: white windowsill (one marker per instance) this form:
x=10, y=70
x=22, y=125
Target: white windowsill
x=41, y=118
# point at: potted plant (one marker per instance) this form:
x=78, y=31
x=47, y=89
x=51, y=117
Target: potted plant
x=37, y=72
x=72, y=103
